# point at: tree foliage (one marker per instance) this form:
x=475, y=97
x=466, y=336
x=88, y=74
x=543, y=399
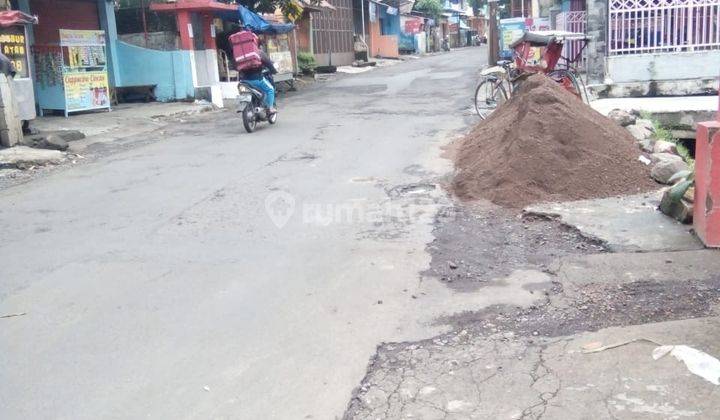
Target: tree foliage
x=430, y=7
x=477, y=5
x=291, y=9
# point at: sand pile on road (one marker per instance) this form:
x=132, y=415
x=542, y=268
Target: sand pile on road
x=544, y=144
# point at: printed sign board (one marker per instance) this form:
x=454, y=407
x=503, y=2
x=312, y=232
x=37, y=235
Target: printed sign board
x=72, y=37
x=413, y=26
x=283, y=61
x=278, y=49
x=86, y=90
x=537, y=24
x=13, y=45
x=510, y=30
x=85, y=78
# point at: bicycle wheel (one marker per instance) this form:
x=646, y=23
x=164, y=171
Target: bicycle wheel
x=489, y=94
x=568, y=80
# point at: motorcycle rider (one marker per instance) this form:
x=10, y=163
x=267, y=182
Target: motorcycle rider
x=446, y=43
x=257, y=79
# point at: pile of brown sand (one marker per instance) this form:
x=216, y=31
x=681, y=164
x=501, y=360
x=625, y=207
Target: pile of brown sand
x=545, y=144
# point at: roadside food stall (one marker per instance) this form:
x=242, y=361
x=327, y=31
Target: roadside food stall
x=278, y=48
x=277, y=43
x=78, y=68
x=15, y=45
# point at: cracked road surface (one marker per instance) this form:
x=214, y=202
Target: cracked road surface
x=524, y=360
x=156, y=284
x=506, y=376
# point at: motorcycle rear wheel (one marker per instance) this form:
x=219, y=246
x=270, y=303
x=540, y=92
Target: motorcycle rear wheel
x=248, y=117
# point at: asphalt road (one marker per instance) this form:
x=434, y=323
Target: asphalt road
x=215, y=274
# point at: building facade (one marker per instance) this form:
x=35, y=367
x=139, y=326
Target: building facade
x=641, y=47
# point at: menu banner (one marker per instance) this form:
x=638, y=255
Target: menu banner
x=75, y=37
x=86, y=90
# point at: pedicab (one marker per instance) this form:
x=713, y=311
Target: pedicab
x=534, y=52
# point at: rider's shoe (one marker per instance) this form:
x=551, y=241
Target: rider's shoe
x=272, y=110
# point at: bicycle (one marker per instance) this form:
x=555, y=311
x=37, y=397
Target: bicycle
x=500, y=81
x=492, y=91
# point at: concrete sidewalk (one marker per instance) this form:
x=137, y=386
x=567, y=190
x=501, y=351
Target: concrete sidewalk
x=658, y=105
x=123, y=121
x=679, y=113
x=630, y=223
x=73, y=135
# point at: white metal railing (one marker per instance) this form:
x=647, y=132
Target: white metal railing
x=644, y=26
x=572, y=21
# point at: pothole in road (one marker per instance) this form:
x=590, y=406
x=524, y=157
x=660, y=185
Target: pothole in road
x=415, y=169
x=473, y=247
x=367, y=180
x=295, y=157
x=573, y=308
x=414, y=189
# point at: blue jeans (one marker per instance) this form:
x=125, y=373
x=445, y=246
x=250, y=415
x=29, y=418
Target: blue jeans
x=265, y=87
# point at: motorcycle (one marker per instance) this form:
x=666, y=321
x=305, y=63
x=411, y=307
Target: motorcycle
x=251, y=104
x=445, y=44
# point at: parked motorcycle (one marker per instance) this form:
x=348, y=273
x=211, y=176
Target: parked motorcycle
x=251, y=104
x=445, y=44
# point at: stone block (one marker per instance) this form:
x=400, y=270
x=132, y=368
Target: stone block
x=665, y=169
x=662, y=146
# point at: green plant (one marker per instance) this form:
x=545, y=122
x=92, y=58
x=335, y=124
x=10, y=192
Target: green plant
x=291, y=9
x=662, y=133
x=682, y=181
x=306, y=62
x=430, y=7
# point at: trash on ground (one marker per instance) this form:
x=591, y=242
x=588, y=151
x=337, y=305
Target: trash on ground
x=353, y=69
x=698, y=362
x=596, y=347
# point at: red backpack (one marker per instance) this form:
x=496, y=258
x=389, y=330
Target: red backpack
x=246, y=51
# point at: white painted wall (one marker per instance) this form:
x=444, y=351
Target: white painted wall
x=663, y=66
x=207, y=74
x=206, y=67
x=229, y=90
x=420, y=40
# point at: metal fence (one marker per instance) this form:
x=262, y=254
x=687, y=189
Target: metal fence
x=645, y=26
x=573, y=21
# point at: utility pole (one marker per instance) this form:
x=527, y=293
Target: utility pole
x=362, y=12
x=493, y=48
